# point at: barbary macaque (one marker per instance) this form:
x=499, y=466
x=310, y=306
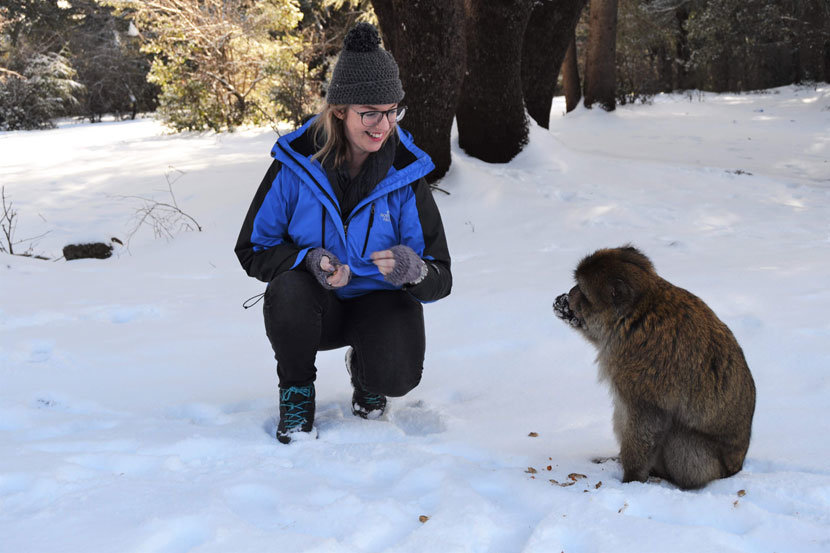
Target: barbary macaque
x=683, y=394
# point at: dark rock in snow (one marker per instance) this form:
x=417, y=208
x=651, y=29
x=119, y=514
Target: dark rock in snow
x=96, y=250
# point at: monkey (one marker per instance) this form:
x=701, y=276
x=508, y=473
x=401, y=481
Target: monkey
x=683, y=394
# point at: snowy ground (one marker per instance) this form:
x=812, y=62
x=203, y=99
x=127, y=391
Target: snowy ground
x=138, y=398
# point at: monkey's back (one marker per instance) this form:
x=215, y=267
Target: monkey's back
x=677, y=355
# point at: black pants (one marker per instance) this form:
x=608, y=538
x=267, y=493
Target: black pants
x=385, y=328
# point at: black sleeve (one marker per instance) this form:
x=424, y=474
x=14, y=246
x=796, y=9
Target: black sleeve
x=265, y=264
x=438, y=281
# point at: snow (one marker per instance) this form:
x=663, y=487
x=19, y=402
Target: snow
x=138, y=397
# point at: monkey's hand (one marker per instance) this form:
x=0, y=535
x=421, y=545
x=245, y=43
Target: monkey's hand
x=562, y=309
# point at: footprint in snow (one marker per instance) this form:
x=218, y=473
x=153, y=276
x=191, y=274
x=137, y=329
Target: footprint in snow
x=175, y=535
x=202, y=414
x=416, y=419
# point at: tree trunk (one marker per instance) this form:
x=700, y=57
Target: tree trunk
x=570, y=77
x=827, y=61
x=550, y=28
x=600, y=63
x=720, y=70
x=683, y=80
x=428, y=41
x=492, y=125
x=664, y=63
x=388, y=22
x=816, y=14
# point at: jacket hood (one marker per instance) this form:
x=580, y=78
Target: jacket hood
x=295, y=149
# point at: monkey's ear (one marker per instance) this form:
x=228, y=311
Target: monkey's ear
x=622, y=295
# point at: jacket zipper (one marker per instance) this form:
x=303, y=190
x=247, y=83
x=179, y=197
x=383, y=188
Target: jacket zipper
x=323, y=229
x=368, y=229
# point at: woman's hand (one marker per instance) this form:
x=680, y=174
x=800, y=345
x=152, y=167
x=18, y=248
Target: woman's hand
x=338, y=274
x=327, y=269
x=400, y=265
x=384, y=260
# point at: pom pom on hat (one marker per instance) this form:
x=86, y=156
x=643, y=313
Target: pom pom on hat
x=362, y=38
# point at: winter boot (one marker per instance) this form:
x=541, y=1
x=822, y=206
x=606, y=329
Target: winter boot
x=365, y=404
x=296, y=413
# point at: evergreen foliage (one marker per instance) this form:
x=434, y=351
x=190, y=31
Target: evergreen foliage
x=106, y=52
x=647, y=51
x=43, y=90
x=94, y=45
x=733, y=41
x=218, y=62
x=723, y=45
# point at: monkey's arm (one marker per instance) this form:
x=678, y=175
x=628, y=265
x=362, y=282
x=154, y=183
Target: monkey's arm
x=642, y=437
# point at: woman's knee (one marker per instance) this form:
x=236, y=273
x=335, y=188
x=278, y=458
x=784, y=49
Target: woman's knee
x=293, y=286
x=293, y=289
x=392, y=379
x=293, y=298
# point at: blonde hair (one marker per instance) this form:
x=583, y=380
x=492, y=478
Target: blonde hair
x=328, y=130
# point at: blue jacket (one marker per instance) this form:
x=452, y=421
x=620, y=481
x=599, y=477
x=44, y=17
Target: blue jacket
x=295, y=209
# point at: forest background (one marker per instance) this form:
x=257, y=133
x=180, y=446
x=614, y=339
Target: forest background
x=221, y=64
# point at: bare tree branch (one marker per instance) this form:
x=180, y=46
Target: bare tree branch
x=8, y=226
x=166, y=219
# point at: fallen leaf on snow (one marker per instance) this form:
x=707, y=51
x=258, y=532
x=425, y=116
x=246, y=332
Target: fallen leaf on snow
x=563, y=484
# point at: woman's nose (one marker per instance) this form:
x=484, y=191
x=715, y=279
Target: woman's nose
x=384, y=123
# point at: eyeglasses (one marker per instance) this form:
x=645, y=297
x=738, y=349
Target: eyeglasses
x=372, y=118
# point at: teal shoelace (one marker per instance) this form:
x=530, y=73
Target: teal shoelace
x=296, y=412
x=373, y=399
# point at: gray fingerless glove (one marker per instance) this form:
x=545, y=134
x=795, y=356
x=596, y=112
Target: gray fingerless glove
x=409, y=268
x=312, y=263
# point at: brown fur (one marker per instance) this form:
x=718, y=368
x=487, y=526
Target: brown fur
x=683, y=394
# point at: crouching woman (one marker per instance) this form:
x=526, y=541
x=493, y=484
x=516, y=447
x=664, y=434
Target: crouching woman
x=346, y=233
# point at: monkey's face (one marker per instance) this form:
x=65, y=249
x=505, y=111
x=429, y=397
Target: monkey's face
x=608, y=283
x=589, y=309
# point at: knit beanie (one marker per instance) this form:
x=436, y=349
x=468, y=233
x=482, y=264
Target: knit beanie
x=365, y=73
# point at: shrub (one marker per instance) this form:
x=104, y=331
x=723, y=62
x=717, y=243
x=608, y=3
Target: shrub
x=42, y=91
x=218, y=61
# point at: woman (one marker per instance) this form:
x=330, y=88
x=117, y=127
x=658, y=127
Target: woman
x=346, y=233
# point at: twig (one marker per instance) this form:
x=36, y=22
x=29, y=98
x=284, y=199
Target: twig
x=166, y=219
x=8, y=225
